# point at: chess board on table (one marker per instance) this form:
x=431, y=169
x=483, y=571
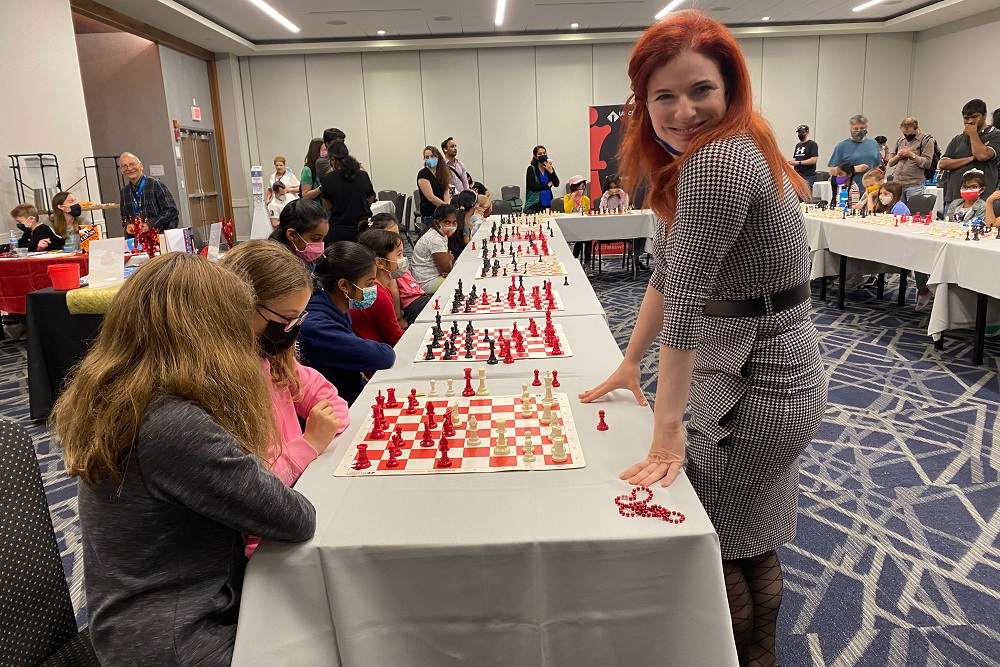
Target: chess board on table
x=544, y=268
x=415, y=459
x=499, y=302
x=535, y=346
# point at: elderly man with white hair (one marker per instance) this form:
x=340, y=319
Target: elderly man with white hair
x=145, y=201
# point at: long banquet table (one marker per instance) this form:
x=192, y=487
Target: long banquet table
x=508, y=568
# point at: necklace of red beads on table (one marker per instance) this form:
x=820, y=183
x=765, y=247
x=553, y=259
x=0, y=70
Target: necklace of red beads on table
x=629, y=505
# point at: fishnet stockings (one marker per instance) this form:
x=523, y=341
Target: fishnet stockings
x=754, y=587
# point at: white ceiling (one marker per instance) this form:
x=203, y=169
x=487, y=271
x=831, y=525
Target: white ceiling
x=237, y=26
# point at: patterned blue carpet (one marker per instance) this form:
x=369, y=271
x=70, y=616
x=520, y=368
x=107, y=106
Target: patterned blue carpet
x=897, y=558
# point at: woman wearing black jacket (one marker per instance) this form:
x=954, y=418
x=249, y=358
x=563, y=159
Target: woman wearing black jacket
x=539, y=180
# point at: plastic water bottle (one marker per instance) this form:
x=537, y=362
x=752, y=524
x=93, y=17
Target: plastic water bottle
x=13, y=240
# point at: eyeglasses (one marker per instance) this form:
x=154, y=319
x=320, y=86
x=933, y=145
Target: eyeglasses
x=292, y=322
x=126, y=167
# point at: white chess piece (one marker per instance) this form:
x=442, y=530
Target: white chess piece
x=558, y=449
x=546, y=417
x=473, y=429
x=454, y=412
x=482, y=391
x=547, y=400
x=433, y=392
x=451, y=389
x=525, y=401
x=501, y=448
x=529, y=449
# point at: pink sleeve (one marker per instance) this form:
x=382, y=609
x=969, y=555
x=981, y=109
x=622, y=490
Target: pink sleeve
x=315, y=388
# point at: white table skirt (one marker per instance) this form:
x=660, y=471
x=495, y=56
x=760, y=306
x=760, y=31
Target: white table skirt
x=383, y=207
x=822, y=190
x=577, y=227
x=956, y=267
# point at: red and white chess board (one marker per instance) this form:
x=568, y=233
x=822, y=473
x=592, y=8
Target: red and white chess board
x=414, y=459
x=527, y=269
x=523, y=248
x=493, y=306
x=534, y=346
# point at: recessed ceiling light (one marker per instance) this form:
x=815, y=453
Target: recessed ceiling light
x=870, y=3
x=336, y=22
x=441, y=18
x=501, y=6
x=666, y=10
x=380, y=32
x=574, y=26
x=765, y=18
x=274, y=14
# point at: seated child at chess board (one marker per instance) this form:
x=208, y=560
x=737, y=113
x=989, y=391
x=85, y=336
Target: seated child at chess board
x=302, y=226
x=378, y=322
x=849, y=193
x=407, y=295
x=971, y=205
x=614, y=198
x=327, y=341
x=872, y=181
x=388, y=222
x=431, y=261
x=282, y=286
x=889, y=200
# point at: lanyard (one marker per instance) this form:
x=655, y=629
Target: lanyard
x=137, y=197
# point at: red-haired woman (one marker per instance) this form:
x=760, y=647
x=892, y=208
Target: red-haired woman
x=730, y=307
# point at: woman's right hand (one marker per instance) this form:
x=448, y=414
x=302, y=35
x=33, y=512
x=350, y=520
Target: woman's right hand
x=626, y=376
x=322, y=425
x=43, y=245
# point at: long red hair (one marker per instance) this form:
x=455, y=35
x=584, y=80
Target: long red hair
x=641, y=159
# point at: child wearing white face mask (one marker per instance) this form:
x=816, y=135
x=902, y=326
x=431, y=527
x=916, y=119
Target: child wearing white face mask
x=431, y=261
x=378, y=322
x=889, y=199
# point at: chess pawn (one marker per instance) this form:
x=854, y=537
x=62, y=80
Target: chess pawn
x=525, y=403
x=433, y=391
x=529, y=449
x=558, y=445
x=451, y=389
x=473, y=430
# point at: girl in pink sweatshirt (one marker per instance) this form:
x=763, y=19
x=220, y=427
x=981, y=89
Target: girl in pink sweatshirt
x=283, y=287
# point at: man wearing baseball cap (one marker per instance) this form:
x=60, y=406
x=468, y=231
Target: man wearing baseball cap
x=805, y=156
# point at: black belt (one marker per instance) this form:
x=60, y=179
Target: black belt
x=780, y=301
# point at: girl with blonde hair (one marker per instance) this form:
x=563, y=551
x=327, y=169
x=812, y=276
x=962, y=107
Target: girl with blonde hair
x=167, y=422
x=282, y=285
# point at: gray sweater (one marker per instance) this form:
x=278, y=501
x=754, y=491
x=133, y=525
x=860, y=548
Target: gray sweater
x=163, y=554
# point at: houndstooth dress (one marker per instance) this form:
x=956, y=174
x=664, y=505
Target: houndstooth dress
x=759, y=389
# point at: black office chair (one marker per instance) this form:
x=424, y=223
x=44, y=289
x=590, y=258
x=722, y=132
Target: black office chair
x=512, y=193
x=822, y=176
x=400, y=204
x=921, y=204
x=418, y=220
x=557, y=205
x=502, y=207
x=405, y=221
x=387, y=195
x=39, y=627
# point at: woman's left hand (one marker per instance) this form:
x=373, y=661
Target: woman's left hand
x=666, y=455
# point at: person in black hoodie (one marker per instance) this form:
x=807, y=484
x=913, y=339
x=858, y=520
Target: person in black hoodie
x=37, y=236
x=326, y=340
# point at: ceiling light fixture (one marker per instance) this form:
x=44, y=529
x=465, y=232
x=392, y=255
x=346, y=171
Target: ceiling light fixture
x=501, y=6
x=273, y=13
x=574, y=26
x=666, y=10
x=380, y=32
x=870, y=3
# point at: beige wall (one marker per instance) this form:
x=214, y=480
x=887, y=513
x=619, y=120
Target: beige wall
x=43, y=108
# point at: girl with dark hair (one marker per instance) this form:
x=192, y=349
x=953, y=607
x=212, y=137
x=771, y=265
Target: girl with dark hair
x=301, y=228
x=539, y=180
x=432, y=183
x=431, y=260
x=348, y=190
x=614, y=198
x=380, y=322
x=327, y=341
x=730, y=308
x=309, y=179
x=465, y=205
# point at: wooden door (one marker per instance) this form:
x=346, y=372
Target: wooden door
x=202, y=177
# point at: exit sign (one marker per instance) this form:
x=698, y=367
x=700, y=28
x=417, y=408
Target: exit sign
x=196, y=113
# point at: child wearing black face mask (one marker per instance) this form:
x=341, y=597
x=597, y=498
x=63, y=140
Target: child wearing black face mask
x=283, y=286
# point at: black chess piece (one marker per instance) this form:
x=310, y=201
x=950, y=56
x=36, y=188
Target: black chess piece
x=566, y=281
x=447, y=353
x=468, y=306
x=460, y=286
x=436, y=341
x=469, y=329
x=430, y=352
x=498, y=298
x=492, y=361
x=520, y=282
x=551, y=233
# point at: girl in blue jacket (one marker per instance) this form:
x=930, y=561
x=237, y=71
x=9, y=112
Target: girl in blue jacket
x=326, y=340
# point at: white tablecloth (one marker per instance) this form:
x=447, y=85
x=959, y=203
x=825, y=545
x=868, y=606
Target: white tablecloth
x=957, y=268
x=509, y=568
x=822, y=190
x=383, y=207
x=579, y=227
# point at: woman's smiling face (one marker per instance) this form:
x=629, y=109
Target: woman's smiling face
x=684, y=97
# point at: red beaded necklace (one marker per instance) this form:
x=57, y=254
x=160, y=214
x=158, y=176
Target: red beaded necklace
x=629, y=506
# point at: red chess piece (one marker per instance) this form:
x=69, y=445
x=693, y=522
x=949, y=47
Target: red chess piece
x=447, y=428
x=411, y=402
x=556, y=347
x=601, y=425
x=508, y=358
x=380, y=399
x=392, y=402
x=468, y=391
x=555, y=379
x=473, y=245
x=536, y=382
x=429, y=408
x=521, y=300
x=362, y=461
x=392, y=462
x=436, y=305
x=377, y=432
x=426, y=440
x=444, y=461
x=486, y=298
x=520, y=345
x=395, y=445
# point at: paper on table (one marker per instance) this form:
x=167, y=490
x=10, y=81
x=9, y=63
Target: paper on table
x=107, y=262
x=214, y=239
x=174, y=240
